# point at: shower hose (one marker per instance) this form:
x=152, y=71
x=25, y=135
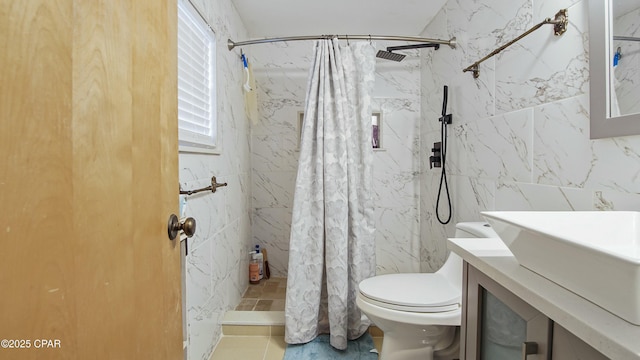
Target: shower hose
x=444, y=121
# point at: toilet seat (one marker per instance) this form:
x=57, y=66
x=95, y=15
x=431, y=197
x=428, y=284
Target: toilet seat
x=419, y=292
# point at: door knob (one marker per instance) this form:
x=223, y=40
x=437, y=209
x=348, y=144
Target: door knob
x=174, y=226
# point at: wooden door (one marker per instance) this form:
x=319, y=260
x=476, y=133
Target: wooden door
x=88, y=179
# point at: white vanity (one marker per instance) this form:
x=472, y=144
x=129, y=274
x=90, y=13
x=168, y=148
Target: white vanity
x=550, y=321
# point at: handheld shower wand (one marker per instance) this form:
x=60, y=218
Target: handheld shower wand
x=445, y=120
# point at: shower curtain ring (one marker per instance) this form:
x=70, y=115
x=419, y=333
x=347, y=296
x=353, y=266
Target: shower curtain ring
x=370, y=43
x=347, y=36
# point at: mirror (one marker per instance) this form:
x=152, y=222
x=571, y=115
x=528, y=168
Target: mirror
x=614, y=90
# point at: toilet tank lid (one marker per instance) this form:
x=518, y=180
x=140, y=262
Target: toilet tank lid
x=478, y=229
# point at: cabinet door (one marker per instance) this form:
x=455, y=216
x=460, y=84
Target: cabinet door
x=497, y=325
x=567, y=346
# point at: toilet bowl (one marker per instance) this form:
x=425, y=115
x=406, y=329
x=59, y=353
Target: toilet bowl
x=419, y=312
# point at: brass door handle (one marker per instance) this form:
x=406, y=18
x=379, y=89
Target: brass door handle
x=174, y=226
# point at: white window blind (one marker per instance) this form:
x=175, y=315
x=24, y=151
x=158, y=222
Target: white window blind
x=197, y=123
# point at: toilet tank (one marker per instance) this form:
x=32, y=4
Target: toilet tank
x=452, y=268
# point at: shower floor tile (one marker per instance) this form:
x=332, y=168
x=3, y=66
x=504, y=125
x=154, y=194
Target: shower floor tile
x=268, y=295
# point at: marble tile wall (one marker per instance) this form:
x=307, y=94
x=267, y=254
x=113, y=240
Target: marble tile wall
x=520, y=136
x=281, y=71
x=217, y=265
x=519, y=141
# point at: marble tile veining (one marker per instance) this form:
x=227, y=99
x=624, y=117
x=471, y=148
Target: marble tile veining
x=216, y=267
x=522, y=197
x=543, y=68
x=613, y=200
x=520, y=136
x=563, y=153
x=619, y=157
x=496, y=147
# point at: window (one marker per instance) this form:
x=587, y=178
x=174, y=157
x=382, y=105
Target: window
x=197, y=122
x=376, y=126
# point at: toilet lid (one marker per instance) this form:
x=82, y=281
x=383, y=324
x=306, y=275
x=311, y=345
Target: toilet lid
x=420, y=292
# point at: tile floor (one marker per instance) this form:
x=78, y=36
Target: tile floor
x=240, y=344
x=261, y=343
x=269, y=295
x=255, y=330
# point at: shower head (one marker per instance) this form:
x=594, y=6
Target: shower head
x=390, y=55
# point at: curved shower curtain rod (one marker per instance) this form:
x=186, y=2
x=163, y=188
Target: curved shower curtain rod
x=452, y=42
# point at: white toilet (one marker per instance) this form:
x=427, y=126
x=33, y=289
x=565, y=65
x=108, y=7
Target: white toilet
x=419, y=312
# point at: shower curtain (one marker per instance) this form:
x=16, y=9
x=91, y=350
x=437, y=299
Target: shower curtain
x=332, y=245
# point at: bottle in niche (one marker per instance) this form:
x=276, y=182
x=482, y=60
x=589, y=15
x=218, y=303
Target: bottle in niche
x=254, y=272
x=260, y=259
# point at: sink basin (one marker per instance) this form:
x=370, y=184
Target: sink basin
x=595, y=254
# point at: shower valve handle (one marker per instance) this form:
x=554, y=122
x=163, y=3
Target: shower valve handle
x=435, y=160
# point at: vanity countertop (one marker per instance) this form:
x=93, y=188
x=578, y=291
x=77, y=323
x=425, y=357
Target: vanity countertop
x=607, y=333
